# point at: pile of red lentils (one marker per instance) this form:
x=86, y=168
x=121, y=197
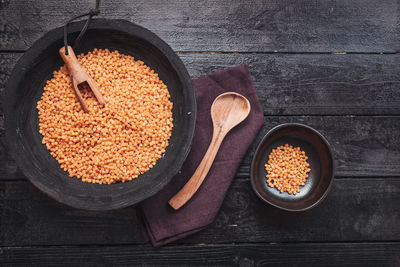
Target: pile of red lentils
x=287, y=169
x=115, y=143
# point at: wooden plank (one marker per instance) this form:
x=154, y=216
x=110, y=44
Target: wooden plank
x=355, y=210
x=30, y=217
x=302, y=84
x=302, y=26
x=363, y=146
x=336, y=254
x=8, y=168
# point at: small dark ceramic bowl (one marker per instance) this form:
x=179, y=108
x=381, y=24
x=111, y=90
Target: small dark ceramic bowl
x=321, y=162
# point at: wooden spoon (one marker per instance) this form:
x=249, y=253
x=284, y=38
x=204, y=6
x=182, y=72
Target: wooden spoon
x=79, y=75
x=227, y=111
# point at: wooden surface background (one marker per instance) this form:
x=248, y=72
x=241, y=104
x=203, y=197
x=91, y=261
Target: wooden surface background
x=333, y=65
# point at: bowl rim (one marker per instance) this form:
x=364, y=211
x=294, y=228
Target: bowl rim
x=268, y=134
x=53, y=35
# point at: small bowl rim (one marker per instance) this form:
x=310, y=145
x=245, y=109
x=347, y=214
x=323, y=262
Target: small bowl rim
x=274, y=129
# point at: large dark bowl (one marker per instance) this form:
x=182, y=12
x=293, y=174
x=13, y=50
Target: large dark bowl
x=25, y=88
x=321, y=162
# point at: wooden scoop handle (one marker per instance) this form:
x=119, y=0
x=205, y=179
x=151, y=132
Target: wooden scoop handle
x=75, y=70
x=201, y=172
x=79, y=75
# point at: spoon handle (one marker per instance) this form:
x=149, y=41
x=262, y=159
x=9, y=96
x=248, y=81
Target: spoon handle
x=201, y=172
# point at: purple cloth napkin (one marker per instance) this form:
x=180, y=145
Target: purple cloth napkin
x=163, y=224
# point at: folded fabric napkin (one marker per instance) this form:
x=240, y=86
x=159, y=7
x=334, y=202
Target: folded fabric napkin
x=164, y=224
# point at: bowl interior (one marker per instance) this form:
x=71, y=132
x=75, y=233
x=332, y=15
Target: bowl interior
x=22, y=118
x=319, y=157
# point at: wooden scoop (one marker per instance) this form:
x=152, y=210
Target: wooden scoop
x=227, y=111
x=79, y=75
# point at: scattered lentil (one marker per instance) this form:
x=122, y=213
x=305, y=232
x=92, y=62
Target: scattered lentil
x=115, y=143
x=287, y=169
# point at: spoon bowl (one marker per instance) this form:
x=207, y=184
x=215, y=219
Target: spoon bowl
x=229, y=109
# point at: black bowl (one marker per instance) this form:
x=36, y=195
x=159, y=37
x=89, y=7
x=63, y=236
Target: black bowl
x=25, y=88
x=321, y=162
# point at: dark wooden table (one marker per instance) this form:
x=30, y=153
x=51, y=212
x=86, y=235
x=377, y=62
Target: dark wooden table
x=332, y=65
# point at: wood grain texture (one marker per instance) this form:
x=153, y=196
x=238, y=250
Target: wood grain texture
x=211, y=25
x=355, y=210
x=339, y=85
x=353, y=100
x=359, y=209
x=335, y=254
x=301, y=84
x=29, y=217
x=363, y=146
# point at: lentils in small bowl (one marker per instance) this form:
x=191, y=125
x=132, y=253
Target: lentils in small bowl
x=319, y=171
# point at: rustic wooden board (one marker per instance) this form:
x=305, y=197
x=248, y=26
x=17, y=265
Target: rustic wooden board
x=314, y=84
x=363, y=146
x=261, y=26
x=30, y=217
x=334, y=254
x=290, y=85
x=355, y=210
x=302, y=84
x=353, y=99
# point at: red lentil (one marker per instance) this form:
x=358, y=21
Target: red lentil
x=287, y=169
x=114, y=143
